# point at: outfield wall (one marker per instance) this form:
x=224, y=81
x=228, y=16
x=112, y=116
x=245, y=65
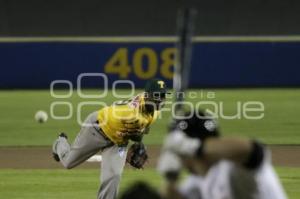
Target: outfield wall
x=217, y=62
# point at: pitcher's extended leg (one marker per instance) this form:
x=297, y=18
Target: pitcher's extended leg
x=113, y=162
x=87, y=143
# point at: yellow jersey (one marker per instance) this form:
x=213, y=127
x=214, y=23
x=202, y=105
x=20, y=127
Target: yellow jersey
x=123, y=118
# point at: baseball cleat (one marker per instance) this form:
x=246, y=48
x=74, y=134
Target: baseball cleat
x=55, y=157
x=54, y=154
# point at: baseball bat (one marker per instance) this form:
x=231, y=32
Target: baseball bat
x=185, y=29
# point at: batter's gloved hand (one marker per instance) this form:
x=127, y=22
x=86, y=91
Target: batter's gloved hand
x=169, y=165
x=137, y=155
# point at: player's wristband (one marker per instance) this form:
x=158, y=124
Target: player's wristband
x=172, y=176
x=256, y=156
x=136, y=137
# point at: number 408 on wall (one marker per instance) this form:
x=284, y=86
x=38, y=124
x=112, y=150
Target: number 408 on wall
x=145, y=63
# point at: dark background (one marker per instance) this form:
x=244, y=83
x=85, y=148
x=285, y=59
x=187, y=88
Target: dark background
x=140, y=17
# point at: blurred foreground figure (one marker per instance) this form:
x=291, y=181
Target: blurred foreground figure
x=220, y=168
x=140, y=190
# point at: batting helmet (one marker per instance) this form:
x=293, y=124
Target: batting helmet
x=198, y=124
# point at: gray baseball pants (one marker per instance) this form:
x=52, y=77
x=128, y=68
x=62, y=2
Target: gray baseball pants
x=88, y=142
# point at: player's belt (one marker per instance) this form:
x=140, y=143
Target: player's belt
x=100, y=131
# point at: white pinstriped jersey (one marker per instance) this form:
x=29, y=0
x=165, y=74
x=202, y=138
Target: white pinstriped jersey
x=227, y=181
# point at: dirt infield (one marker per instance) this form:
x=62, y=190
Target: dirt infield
x=40, y=157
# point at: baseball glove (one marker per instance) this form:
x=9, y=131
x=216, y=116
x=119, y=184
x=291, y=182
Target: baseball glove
x=137, y=155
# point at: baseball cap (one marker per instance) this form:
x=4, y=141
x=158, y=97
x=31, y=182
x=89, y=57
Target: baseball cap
x=156, y=86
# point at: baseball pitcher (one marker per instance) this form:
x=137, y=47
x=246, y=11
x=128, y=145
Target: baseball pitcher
x=109, y=131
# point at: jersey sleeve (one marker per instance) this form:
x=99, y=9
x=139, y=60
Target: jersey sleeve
x=155, y=116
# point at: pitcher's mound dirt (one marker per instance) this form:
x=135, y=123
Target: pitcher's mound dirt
x=40, y=157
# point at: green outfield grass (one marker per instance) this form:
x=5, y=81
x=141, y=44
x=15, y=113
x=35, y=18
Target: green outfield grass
x=78, y=184
x=280, y=124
